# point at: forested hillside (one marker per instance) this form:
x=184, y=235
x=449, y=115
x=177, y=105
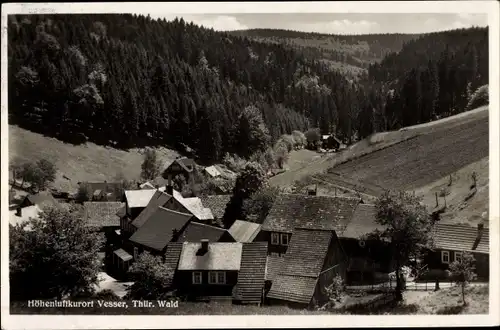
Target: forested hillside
x=431, y=77
x=356, y=50
x=134, y=81
x=128, y=81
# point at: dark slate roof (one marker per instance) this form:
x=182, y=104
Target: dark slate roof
x=102, y=214
x=187, y=164
x=195, y=232
x=158, y=199
x=460, y=237
x=244, y=231
x=111, y=188
x=157, y=231
x=301, y=265
x=293, y=288
x=273, y=267
x=216, y=203
x=291, y=211
x=362, y=222
x=252, y=272
x=42, y=199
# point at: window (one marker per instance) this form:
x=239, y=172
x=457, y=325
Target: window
x=458, y=256
x=284, y=239
x=221, y=277
x=212, y=277
x=196, y=277
x=275, y=238
x=445, y=257
x=136, y=252
x=217, y=277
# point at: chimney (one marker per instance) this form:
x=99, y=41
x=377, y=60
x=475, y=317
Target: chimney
x=480, y=229
x=204, y=245
x=170, y=188
x=19, y=212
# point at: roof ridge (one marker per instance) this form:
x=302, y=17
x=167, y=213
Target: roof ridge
x=207, y=225
x=320, y=196
x=173, y=211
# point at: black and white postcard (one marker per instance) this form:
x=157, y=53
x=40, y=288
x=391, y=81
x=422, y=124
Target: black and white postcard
x=210, y=165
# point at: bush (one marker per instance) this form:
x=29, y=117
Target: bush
x=479, y=98
x=288, y=141
x=234, y=162
x=282, y=154
x=313, y=137
x=300, y=138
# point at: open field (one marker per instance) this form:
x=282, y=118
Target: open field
x=445, y=301
x=458, y=209
x=419, y=161
x=384, y=140
x=87, y=162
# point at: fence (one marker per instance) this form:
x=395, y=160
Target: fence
x=391, y=285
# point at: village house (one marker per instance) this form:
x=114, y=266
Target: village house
x=21, y=215
x=244, y=231
x=295, y=210
x=142, y=203
x=103, y=191
x=367, y=258
x=314, y=257
x=101, y=217
x=180, y=166
x=40, y=199
x=217, y=171
x=31, y=206
x=330, y=142
x=451, y=240
x=206, y=271
x=352, y=220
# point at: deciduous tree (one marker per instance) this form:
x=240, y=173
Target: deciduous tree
x=407, y=228
x=462, y=271
x=152, y=278
x=250, y=180
x=150, y=166
x=53, y=256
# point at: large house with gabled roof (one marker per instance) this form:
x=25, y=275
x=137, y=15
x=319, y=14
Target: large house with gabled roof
x=206, y=271
x=349, y=218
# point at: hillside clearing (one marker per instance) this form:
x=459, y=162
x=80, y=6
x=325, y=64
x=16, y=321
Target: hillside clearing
x=419, y=161
x=459, y=210
x=378, y=142
x=86, y=162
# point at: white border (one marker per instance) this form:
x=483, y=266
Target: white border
x=90, y=322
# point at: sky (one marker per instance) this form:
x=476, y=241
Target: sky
x=331, y=23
